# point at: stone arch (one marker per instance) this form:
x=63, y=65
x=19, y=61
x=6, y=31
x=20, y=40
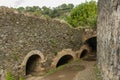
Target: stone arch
x=83, y=53
x=91, y=42
x=84, y=50
x=88, y=49
x=65, y=55
x=32, y=61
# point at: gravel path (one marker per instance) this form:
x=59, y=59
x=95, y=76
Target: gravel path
x=79, y=70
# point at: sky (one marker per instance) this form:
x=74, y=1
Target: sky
x=48, y=3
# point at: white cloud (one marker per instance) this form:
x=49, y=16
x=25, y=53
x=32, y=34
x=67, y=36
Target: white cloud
x=48, y=3
x=18, y=2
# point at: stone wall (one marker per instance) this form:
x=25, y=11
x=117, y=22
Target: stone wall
x=20, y=34
x=109, y=39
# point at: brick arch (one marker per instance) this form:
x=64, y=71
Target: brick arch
x=66, y=52
x=89, y=38
x=91, y=42
x=34, y=53
x=82, y=49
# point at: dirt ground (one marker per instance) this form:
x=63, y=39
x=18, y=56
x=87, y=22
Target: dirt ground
x=79, y=70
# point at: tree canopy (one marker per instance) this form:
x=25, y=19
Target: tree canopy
x=83, y=15
x=56, y=12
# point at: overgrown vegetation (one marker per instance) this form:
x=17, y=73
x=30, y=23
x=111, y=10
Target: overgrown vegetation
x=67, y=65
x=21, y=78
x=51, y=71
x=97, y=73
x=9, y=76
x=82, y=16
x=56, y=12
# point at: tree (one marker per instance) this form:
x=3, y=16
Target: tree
x=83, y=15
x=54, y=13
x=46, y=11
x=108, y=39
x=60, y=12
x=63, y=6
x=36, y=10
x=70, y=6
x=29, y=9
x=21, y=9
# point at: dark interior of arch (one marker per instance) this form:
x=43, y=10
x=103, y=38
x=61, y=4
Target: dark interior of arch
x=83, y=53
x=64, y=60
x=32, y=64
x=92, y=42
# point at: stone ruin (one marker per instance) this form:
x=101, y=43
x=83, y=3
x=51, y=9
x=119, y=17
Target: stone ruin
x=31, y=44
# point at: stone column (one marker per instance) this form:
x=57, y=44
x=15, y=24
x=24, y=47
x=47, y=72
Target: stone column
x=108, y=38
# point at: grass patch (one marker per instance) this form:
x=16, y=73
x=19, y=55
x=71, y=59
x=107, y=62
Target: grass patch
x=51, y=71
x=9, y=76
x=21, y=78
x=97, y=71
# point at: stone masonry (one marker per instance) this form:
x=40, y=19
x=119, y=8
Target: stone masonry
x=22, y=36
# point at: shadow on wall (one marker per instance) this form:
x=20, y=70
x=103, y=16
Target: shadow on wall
x=33, y=64
x=64, y=60
x=63, y=57
x=87, y=52
x=92, y=43
x=83, y=53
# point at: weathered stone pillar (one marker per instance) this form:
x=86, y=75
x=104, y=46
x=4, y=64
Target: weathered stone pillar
x=109, y=39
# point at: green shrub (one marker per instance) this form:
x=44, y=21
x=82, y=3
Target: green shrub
x=9, y=76
x=84, y=15
x=21, y=78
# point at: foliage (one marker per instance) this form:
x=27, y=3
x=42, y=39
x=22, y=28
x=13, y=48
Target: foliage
x=51, y=71
x=84, y=14
x=56, y=12
x=46, y=11
x=21, y=78
x=9, y=76
x=97, y=71
x=21, y=9
x=35, y=10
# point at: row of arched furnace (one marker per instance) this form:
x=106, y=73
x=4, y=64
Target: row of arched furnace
x=33, y=59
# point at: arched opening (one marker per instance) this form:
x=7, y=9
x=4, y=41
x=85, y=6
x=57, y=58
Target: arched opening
x=33, y=64
x=63, y=57
x=83, y=53
x=92, y=42
x=64, y=60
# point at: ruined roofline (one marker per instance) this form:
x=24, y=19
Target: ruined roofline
x=6, y=10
